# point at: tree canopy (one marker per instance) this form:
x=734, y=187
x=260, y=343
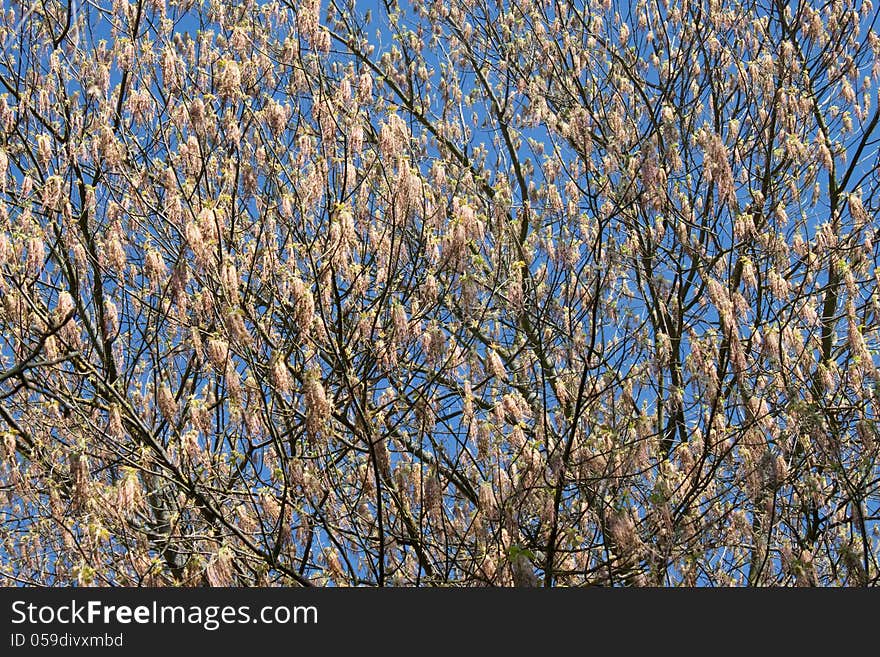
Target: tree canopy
x=464, y=292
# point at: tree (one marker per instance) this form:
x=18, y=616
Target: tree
x=456, y=293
